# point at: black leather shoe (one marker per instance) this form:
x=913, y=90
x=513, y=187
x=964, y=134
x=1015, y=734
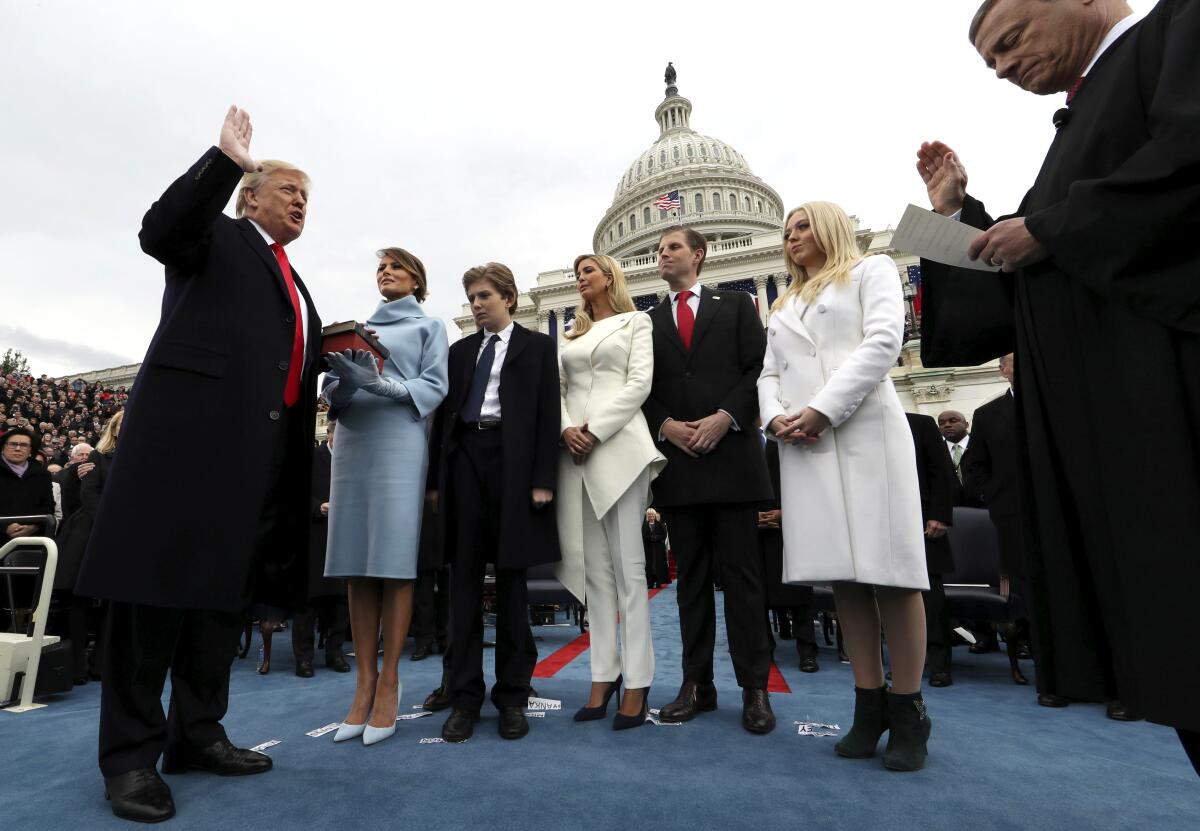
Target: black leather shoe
x=809, y=665
x=460, y=726
x=513, y=724
x=337, y=663
x=1051, y=700
x=221, y=758
x=1119, y=712
x=422, y=652
x=438, y=700
x=692, y=699
x=757, y=716
x=304, y=669
x=940, y=679
x=140, y=795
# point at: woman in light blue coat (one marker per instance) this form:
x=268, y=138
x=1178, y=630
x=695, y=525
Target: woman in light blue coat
x=378, y=482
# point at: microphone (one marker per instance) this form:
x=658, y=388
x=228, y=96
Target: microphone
x=1061, y=117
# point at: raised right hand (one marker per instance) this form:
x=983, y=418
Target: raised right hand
x=235, y=139
x=944, y=176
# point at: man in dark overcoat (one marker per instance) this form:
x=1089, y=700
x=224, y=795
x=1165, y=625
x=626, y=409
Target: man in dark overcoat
x=181, y=552
x=708, y=353
x=935, y=473
x=493, y=471
x=1099, y=299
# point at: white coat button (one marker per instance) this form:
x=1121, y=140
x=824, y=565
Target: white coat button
x=772, y=331
x=785, y=364
x=821, y=308
x=812, y=352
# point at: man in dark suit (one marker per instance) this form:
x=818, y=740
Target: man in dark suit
x=181, y=552
x=955, y=429
x=935, y=472
x=708, y=353
x=492, y=475
x=791, y=604
x=327, y=610
x=1101, y=306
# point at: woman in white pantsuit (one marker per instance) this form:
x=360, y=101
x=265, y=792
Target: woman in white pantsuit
x=848, y=476
x=607, y=362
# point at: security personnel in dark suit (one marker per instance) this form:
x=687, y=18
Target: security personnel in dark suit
x=493, y=471
x=708, y=353
x=327, y=610
x=935, y=472
x=181, y=553
x=791, y=604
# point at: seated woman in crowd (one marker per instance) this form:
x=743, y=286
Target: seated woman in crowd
x=607, y=362
x=378, y=482
x=849, y=490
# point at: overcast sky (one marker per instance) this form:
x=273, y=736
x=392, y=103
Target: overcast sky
x=464, y=132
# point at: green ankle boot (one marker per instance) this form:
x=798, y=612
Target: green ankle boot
x=910, y=728
x=870, y=722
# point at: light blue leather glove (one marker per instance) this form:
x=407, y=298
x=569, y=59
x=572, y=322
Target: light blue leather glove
x=387, y=388
x=355, y=370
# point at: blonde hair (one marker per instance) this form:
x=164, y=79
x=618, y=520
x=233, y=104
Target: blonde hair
x=254, y=181
x=618, y=293
x=108, y=438
x=834, y=234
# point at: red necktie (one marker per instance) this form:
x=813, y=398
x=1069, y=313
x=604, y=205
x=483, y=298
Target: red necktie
x=1074, y=90
x=291, y=390
x=684, y=319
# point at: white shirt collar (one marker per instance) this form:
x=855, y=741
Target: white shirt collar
x=504, y=333
x=266, y=237
x=1121, y=27
x=694, y=289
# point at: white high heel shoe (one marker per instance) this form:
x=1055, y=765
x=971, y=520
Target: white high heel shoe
x=347, y=731
x=374, y=735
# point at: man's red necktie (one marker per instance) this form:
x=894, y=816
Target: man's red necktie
x=291, y=390
x=684, y=319
x=1074, y=90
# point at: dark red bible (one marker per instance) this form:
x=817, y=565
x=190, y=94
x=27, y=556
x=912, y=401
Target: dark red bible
x=338, y=337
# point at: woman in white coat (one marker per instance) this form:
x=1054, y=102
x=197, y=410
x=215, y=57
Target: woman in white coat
x=848, y=477
x=607, y=362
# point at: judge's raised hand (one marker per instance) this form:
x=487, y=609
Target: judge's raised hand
x=235, y=139
x=944, y=176
x=1008, y=245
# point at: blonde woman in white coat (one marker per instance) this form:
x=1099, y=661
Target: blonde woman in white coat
x=607, y=362
x=848, y=477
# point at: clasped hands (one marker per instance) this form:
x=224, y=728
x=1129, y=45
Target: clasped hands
x=1007, y=245
x=580, y=441
x=804, y=428
x=698, y=437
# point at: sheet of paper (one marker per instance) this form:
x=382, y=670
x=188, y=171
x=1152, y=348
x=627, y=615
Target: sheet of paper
x=932, y=236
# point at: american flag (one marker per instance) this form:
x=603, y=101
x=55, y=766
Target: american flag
x=668, y=201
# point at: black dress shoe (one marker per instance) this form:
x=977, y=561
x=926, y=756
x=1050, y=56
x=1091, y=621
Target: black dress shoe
x=140, y=795
x=422, y=652
x=1051, y=700
x=221, y=758
x=940, y=679
x=304, y=669
x=692, y=699
x=809, y=664
x=439, y=700
x=1119, y=712
x=513, y=724
x=337, y=663
x=461, y=725
x=757, y=715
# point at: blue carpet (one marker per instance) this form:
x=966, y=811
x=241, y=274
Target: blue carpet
x=998, y=761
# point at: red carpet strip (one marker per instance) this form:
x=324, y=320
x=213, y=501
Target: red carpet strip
x=776, y=682
x=549, y=666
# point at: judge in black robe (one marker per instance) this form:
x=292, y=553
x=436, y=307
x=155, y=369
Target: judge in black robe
x=1104, y=313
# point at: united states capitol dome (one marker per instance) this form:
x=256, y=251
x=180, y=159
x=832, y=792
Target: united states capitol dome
x=719, y=195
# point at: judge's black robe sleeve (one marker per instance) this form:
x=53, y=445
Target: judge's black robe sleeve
x=966, y=314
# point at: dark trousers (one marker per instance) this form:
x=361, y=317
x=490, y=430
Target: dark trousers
x=802, y=627
x=704, y=537
x=937, y=626
x=477, y=468
x=328, y=615
x=143, y=643
x=431, y=606
x=198, y=646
